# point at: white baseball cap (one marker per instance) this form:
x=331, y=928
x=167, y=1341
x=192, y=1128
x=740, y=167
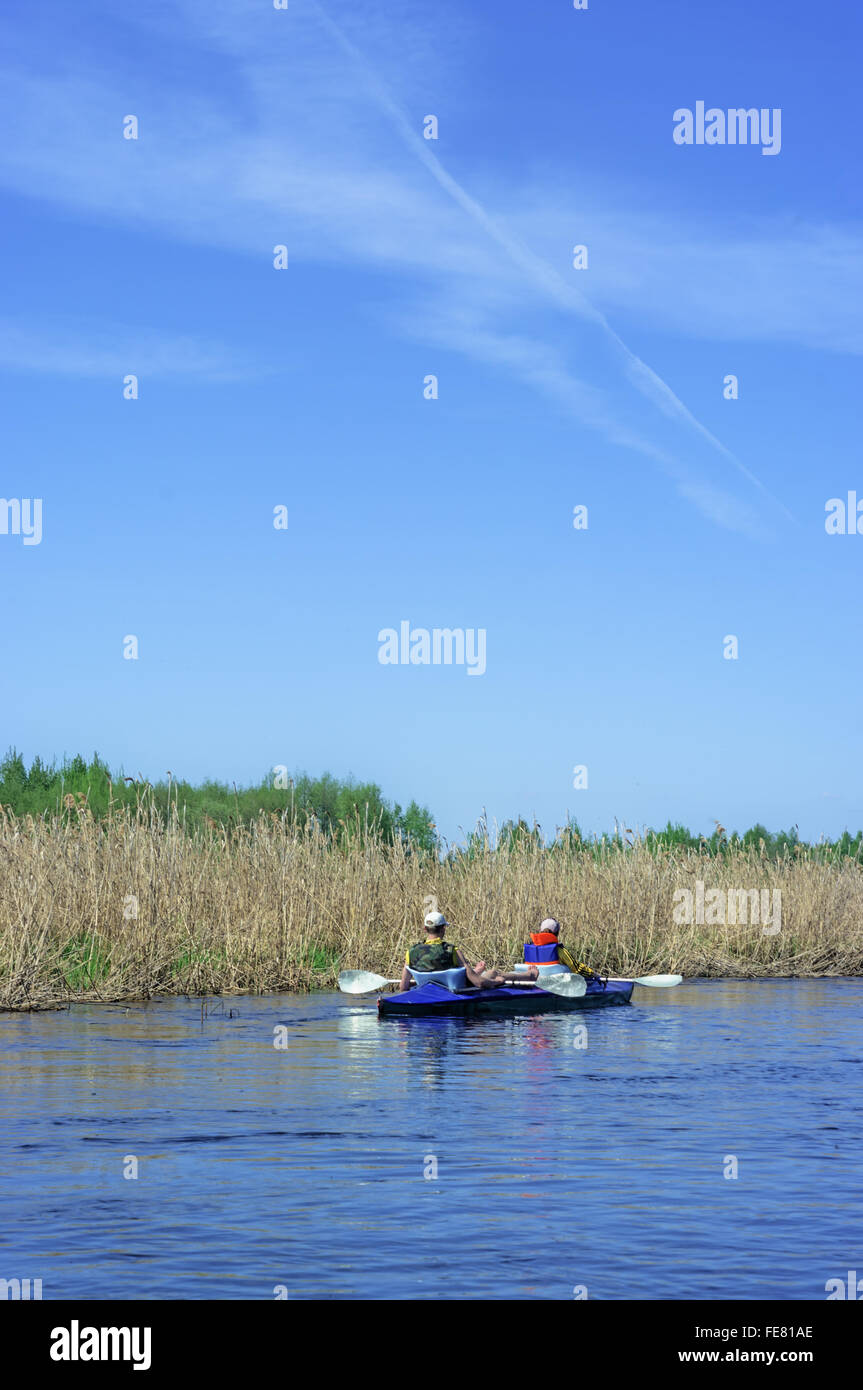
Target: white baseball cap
x=549, y=924
x=436, y=919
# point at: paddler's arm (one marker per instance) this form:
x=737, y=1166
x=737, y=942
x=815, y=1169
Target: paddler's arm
x=474, y=978
x=407, y=978
x=577, y=967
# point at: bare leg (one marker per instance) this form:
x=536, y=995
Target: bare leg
x=489, y=978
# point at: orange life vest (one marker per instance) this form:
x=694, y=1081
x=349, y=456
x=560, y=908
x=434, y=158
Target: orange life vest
x=542, y=948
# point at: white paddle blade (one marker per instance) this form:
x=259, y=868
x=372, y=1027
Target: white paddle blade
x=570, y=986
x=362, y=982
x=659, y=981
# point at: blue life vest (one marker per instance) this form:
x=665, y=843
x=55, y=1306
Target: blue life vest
x=545, y=954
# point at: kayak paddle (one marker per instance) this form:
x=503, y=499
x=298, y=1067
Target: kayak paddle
x=570, y=986
x=362, y=982
x=655, y=981
x=365, y=982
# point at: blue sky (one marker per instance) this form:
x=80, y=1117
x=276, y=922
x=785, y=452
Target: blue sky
x=557, y=387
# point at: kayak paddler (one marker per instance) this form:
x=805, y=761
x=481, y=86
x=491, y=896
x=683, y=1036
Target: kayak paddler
x=544, y=948
x=436, y=953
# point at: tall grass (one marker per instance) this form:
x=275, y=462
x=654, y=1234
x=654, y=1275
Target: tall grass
x=132, y=904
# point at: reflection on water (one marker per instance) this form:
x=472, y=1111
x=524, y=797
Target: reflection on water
x=479, y=1158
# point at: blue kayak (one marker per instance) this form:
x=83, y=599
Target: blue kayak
x=435, y=1000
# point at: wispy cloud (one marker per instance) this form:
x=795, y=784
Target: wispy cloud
x=542, y=367
x=730, y=279
x=279, y=133
x=546, y=280
x=105, y=349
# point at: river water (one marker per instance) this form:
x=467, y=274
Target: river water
x=437, y=1158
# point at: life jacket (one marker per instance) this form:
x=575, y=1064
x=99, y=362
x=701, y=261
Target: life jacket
x=432, y=955
x=541, y=949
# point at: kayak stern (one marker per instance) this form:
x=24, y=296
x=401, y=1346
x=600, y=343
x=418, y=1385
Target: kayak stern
x=433, y=1000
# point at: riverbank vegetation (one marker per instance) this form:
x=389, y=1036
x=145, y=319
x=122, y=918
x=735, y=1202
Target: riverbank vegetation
x=130, y=901
x=58, y=788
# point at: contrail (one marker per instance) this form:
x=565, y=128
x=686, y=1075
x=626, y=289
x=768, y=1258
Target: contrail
x=643, y=377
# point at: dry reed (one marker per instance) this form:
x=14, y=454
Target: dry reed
x=133, y=906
